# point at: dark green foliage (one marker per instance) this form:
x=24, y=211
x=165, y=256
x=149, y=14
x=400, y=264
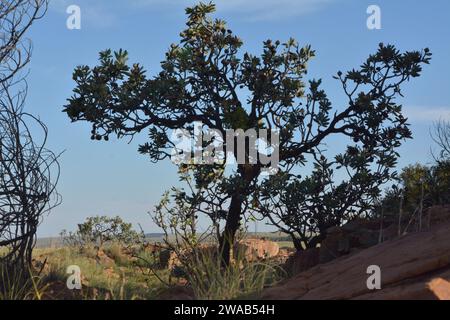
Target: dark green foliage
x=100, y=230
x=418, y=183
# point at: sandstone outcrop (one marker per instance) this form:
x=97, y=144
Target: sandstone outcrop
x=413, y=266
x=256, y=249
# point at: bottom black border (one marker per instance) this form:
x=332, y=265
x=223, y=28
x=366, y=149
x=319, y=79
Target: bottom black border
x=292, y=310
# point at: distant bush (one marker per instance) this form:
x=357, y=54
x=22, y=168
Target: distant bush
x=100, y=230
x=420, y=186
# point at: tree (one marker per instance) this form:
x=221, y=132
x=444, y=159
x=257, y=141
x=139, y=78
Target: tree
x=28, y=171
x=100, y=230
x=29, y=174
x=420, y=187
x=205, y=78
x=16, y=18
x=306, y=208
x=441, y=136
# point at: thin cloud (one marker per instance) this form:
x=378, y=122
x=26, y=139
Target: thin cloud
x=426, y=113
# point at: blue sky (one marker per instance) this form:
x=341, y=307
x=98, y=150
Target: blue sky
x=113, y=179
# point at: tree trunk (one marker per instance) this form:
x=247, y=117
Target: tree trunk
x=297, y=243
x=231, y=227
x=248, y=174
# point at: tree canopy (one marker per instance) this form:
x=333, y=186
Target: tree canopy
x=207, y=78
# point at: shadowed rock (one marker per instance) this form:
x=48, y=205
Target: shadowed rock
x=413, y=266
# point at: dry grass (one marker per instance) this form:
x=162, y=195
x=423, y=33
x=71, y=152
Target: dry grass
x=118, y=278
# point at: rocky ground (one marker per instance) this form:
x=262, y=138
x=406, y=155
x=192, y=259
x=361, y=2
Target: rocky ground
x=414, y=264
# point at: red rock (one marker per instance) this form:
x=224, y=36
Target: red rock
x=408, y=264
x=256, y=249
x=434, y=289
x=283, y=256
x=103, y=259
x=441, y=288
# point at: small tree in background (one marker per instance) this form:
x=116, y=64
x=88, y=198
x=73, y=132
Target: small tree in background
x=205, y=78
x=421, y=185
x=100, y=230
x=441, y=170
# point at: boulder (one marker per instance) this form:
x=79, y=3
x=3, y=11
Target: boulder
x=415, y=265
x=168, y=259
x=355, y=235
x=335, y=244
x=283, y=256
x=364, y=238
x=302, y=260
x=256, y=249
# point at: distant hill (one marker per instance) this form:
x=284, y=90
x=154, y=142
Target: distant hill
x=56, y=242
x=154, y=235
x=49, y=242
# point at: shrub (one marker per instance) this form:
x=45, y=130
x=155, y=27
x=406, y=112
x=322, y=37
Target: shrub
x=100, y=230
